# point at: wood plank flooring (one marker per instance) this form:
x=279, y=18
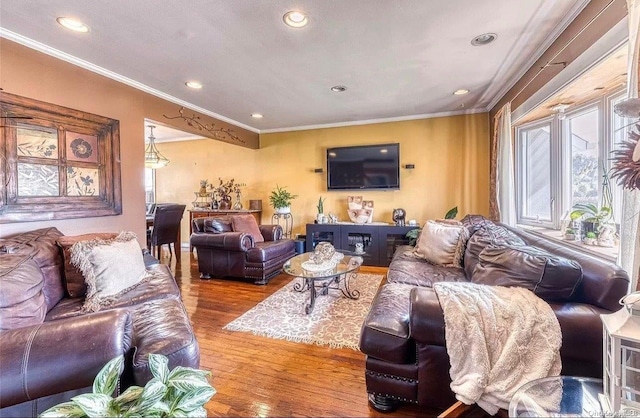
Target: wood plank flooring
x=258, y=376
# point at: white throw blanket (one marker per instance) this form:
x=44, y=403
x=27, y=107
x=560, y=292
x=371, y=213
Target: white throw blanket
x=498, y=339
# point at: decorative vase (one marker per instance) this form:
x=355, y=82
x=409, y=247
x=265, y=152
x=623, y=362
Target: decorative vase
x=238, y=204
x=214, y=205
x=284, y=210
x=225, y=203
x=320, y=218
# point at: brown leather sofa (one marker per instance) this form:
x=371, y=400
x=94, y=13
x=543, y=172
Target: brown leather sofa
x=223, y=252
x=49, y=361
x=403, y=334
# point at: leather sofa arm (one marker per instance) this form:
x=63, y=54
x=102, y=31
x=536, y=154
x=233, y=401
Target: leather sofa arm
x=58, y=356
x=271, y=232
x=226, y=241
x=426, y=320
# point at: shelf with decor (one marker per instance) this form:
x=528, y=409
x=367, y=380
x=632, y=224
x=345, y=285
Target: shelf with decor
x=379, y=241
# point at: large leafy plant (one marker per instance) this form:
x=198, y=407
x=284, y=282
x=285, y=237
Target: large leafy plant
x=281, y=198
x=180, y=392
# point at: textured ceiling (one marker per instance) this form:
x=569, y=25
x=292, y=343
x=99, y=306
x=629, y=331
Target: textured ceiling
x=398, y=59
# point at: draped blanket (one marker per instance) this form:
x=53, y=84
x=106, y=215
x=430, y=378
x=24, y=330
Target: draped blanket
x=498, y=339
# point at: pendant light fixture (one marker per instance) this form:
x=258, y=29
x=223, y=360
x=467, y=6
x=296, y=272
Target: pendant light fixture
x=152, y=157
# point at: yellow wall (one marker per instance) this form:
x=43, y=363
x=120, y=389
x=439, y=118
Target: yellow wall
x=451, y=155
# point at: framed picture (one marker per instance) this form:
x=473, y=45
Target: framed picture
x=56, y=162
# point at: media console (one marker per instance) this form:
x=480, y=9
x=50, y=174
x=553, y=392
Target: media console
x=379, y=241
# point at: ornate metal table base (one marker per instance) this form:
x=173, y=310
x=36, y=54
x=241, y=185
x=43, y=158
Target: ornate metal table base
x=322, y=286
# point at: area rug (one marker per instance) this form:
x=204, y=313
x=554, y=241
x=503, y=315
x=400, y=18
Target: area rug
x=335, y=321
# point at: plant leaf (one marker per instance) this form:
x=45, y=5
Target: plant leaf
x=107, y=378
x=195, y=398
x=180, y=370
x=453, y=212
x=198, y=413
x=94, y=404
x=153, y=392
x=159, y=366
x=186, y=380
x=65, y=409
x=128, y=396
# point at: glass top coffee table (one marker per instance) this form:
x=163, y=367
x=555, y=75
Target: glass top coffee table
x=320, y=282
x=558, y=396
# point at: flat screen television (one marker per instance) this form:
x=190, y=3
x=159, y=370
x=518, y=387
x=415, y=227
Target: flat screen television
x=364, y=167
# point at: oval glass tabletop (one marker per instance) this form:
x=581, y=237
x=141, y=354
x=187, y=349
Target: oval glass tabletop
x=295, y=267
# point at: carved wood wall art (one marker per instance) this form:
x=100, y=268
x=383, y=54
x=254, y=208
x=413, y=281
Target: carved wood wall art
x=56, y=162
x=194, y=122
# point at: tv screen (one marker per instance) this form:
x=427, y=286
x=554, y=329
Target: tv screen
x=364, y=167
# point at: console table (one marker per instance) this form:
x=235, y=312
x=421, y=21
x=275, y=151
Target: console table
x=204, y=213
x=379, y=241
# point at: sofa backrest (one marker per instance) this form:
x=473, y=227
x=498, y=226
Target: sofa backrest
x=603, y=282
x=41, y=243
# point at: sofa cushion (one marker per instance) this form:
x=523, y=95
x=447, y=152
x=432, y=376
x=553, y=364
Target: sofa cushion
x=22, y=301
x=248, y=224
x=73, y=278
x=110, y=267
x=549, y=276
x=217, y=225
x=42, y=243
x=442, y=243
x=487, y=234
x=406, y=268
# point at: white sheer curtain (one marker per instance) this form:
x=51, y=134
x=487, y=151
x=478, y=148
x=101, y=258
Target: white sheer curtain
x=630, y=228
x=505, y=171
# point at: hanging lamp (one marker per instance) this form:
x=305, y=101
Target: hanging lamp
x=152, y=157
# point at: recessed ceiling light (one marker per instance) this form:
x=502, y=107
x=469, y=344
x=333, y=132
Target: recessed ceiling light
x=72, y=24
x=338, y=89
x=295, y=19
x=461, y=92
x=256, y=115
x=484, y=39
x=193, y=84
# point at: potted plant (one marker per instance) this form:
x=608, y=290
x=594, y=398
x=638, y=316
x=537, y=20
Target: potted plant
x=320, y=207
x=590, y=238
x=570, y=234
x=280, y=199
x=180, y=392
x=224, y=192
x=591, y=216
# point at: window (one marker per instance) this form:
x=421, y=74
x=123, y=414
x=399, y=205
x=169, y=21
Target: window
x=56, y=163
x=560, y=162
x=149, y=185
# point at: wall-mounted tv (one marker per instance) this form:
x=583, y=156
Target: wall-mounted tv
x=364, y=167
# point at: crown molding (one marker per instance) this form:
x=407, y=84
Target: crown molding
x=374, y=121
x=549, y=40
x=56, y=53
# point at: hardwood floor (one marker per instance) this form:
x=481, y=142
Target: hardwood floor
x=258, y=376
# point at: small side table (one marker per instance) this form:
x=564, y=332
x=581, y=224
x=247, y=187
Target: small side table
x=285, y=220
x=558, y=396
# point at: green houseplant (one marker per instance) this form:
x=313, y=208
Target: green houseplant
x=180, y=392
x=280, y=199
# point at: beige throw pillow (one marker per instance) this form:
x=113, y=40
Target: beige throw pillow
x=111, y=267
x=442, y=243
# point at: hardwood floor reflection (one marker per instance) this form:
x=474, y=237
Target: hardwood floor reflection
x=258, y=376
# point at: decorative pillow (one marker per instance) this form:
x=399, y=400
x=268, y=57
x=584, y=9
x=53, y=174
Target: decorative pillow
x=549, y=276
x=442, y=243
x=73, y=278
x=111, y=267
x=217, y=225
x=248, y=224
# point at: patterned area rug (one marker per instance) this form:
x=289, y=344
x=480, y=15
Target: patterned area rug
x=335, y=321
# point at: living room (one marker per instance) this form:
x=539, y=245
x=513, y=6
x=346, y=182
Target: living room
x=445, y=157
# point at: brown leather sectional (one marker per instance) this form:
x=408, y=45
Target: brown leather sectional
x=403, y=334
x=47, y=362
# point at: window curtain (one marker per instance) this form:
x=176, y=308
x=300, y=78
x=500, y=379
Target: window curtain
x=629, y=257
x=502, y=193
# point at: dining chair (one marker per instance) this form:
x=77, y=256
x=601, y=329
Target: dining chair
x=166, y=224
